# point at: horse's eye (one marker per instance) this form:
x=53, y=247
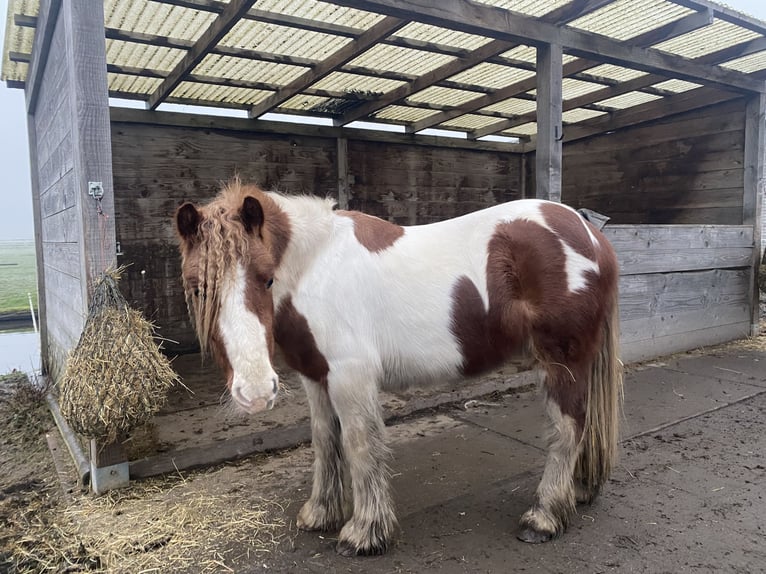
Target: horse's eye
x=196, y=292
x=269, y=283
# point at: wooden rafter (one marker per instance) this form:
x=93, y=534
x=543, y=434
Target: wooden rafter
x=679, y=27
x=567, y=13
x=217, y=30
x=475, y=18
x=739, y=50
x=348, y=52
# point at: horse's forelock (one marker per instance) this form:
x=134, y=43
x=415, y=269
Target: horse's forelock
x=222, y=244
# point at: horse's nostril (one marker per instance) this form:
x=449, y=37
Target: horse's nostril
x=274, y=384
x=270, y=404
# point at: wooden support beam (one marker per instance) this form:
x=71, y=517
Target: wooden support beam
x=370, y=37
x=441, y=73
x=209, y=39
x=343, y=174
x=636, y=84
x=548, y=157
x=48, y=16
x=475, y=18
x=683, y=102
x=752, y=198
x=566, y=13
x=572, y=68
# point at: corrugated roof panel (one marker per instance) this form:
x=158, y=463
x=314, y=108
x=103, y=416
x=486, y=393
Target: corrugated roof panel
x=242, y=96
x=309, y=104
x=129, y=54
x=322, y=11
x=579, y=115
x=469, y=122
x=513, y=106
x=571, y=88
x=625, y=19
x=402, y=60
x=616, y=73
x=529, y=129
x=676, y=86
x=748, y=64
x=132, y=84
x=492, y=75
x=434, y=34
x=161, y=19
x=253, y=71
x=629, y=99
x=17, y=39
x=343, y=82
x=529, y=54
x=283, y=40
x=718, y=35
x=527, y=7
x=443, y=96
x=403, y=114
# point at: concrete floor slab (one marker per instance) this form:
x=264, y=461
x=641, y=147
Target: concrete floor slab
x=657, y=396
x=744, y=366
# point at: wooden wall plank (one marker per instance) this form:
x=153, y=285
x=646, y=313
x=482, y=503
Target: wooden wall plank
x=684, y=169
x=627, y=237
x=60, y=195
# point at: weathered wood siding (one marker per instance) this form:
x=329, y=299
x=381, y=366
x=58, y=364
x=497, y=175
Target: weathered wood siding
x=412, y=185
x=61, y=224
x=69, y=134
x=157, y=168
x=683, y=169
x=681, y=286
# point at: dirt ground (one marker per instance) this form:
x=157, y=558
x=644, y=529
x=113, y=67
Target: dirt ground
x=688, y=495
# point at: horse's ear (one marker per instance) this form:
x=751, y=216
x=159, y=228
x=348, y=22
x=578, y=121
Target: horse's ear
x=187, y=221
x=251, y=214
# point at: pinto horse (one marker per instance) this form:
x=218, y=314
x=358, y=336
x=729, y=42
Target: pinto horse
x=357, y=303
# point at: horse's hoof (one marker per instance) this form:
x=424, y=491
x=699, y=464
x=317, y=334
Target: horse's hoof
x=345, y=548
x=532, y=536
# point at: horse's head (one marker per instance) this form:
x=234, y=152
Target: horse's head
x=228, y=264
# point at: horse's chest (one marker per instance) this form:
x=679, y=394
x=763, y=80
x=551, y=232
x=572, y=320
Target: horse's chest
x=293, y=334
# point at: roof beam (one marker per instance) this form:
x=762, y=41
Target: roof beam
x=566, y=13
x=209, y=39
x=732, y=52
x=679, y=27
x=348, y=52
x=474, y=18
x=429, y=79
x=683, y=102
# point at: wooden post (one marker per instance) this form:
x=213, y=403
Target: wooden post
x=92, y=147
x=752, y=199
x=549, y=128
x=343, y=192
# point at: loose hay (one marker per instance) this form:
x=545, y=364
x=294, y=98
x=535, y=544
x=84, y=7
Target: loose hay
x=116, y=378
x=172, y=525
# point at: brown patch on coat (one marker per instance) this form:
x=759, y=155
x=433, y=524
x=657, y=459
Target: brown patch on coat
x=570, y=227
x=294, y=337
x=373, y=233
x=530, y=305
x=213, y=238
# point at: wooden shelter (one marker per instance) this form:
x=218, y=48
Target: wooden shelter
x=648, y=111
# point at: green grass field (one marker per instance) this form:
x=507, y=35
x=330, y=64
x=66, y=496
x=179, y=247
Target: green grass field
x=17, y=275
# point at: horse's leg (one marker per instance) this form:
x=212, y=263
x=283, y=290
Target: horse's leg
x=565, y=404
x=371, y=526
x=325, y=509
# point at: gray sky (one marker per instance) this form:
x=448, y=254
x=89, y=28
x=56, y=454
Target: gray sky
x=16, y=211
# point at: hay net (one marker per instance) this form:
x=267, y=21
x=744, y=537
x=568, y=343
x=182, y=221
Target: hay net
x=116, y=377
